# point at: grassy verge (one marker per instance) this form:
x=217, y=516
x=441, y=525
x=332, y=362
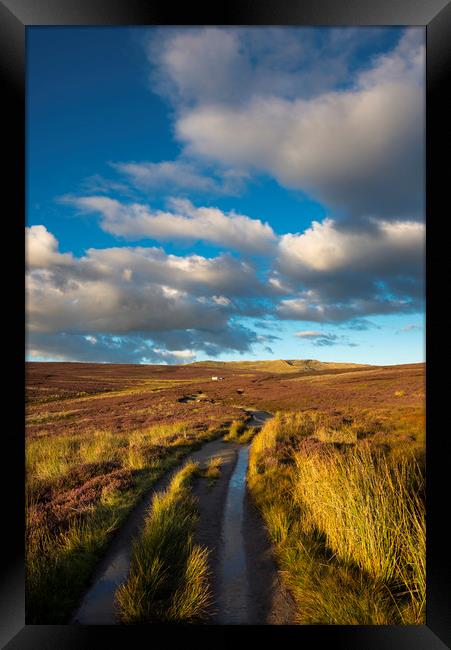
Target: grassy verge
x=79, y=490
x=168, y=580
x=346, y=516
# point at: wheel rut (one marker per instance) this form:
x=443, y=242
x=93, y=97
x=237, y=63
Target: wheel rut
x=97, y=606
x=243, y=574
x=246, y=584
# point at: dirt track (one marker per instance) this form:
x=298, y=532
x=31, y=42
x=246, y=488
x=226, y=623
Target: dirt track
x=237, y=543
x=244, y=577
x=97, y=607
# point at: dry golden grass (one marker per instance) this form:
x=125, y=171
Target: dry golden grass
x=168, y=579
x=239, y=432
x=344, y=506
x=79, y=489
x=89, y=458
x=213, y=469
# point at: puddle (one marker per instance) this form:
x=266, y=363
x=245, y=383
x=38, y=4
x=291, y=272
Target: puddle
x=98, y=606
x=233, y=592
x=258, y=418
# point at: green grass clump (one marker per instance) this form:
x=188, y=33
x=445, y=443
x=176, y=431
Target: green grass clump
x=168, y=580
x=239, y=432
x=236, y=429
x=346, y=517
x=213, y=470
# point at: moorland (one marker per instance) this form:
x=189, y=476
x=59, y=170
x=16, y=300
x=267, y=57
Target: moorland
x=332, y=492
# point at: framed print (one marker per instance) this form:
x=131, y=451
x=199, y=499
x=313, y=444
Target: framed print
x=232, y=235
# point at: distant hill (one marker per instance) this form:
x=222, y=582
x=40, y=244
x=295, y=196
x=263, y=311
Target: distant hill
x=279, y=365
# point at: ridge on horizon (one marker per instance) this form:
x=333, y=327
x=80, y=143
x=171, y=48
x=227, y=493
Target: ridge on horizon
x=270, y=365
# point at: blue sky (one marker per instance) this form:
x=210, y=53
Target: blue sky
x=225, y=193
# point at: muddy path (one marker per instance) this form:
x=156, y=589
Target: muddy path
x=257, y=418
x=269, y=602
x=244, y=579
x=97, y=607
x=246, y=586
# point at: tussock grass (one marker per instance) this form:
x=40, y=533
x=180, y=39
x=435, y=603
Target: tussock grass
x=346, y=516
x=46, y=418
x=236, y=428
x=168, y=580
x=48, y=458
x=66, y=535
x=58, y=563
x=247, y=435
x=52, y=457
x=213, y=469
x=367, y=505
x=239, y=432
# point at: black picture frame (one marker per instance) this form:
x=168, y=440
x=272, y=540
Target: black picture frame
x=435, y=16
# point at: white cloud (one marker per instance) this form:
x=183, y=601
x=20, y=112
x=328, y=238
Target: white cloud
x=192, y=274
x=186, y=222
x=41, y=248
x=323, y=247
x=158, y=175
x=198, y=63
x=211, y=65
x=325, y=339
x=360, y=150
x=181, y=175
x=309, y=334
x=134, y=294
x=273, y=101
x=310, y=306
x=409, y=328
x=337, y=273
x=182, y=355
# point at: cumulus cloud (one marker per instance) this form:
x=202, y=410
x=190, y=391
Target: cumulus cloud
x=181, y=176
x=340, y=275
x=231, y=65
x=222, y=66
x=41, y=248
x=359, y=149
x=361, y=324
x=186, y=222
x=324, y=248
x=135, y=295
x=325, y=339
x=309, y=334
x=184, y=356
x=124, y=289
x=310, y=307
x=63, y=346
x=138, y=348
x=147, y=304
x=103, y=348
x=197, y=63
x=409, y=328
x=307, y=107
